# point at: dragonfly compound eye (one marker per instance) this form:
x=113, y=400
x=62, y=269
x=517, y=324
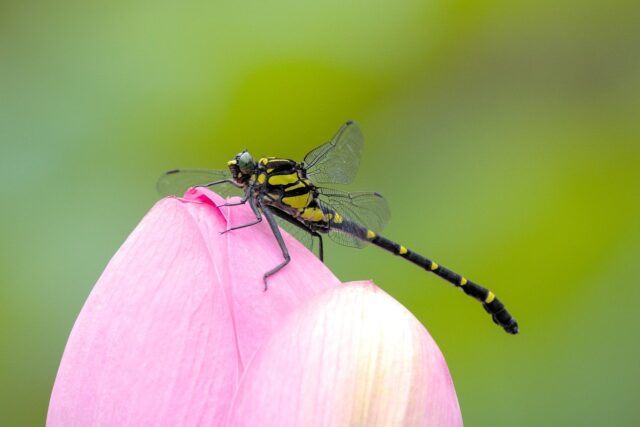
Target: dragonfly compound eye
x=245, y=162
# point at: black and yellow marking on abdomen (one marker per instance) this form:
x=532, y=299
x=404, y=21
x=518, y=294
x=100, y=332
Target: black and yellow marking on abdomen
x=491, y=304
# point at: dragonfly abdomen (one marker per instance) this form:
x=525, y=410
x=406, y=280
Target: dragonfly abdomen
x=489, y=301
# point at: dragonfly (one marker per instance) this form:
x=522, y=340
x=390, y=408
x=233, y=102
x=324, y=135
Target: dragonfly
x=292, y=195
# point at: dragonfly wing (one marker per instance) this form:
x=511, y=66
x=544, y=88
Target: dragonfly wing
x=336, y=162
x=367, y=209
x=177, y=181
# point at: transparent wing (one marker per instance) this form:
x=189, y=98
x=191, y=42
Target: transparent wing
x=177, y=181
x=369, y=210
x=337, y=161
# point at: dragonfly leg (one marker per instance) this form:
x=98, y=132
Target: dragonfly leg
x=321, y=248
x=241, y=202
x=257, y=213
x=222, y=181
x=285, y=253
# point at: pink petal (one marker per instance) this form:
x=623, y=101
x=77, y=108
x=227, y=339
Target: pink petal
x=154, y=343
x=352, y=356
x=163, y=337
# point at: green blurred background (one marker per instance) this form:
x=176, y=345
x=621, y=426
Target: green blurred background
x=505, y=135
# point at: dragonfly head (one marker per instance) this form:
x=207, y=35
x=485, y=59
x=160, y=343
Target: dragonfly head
x=242, y=166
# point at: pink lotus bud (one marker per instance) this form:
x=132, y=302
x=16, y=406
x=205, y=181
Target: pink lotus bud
x=178, y=331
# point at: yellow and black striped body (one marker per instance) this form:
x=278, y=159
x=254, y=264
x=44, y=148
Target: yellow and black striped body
x=285, y=190
x=491, y=304
x=282, y=184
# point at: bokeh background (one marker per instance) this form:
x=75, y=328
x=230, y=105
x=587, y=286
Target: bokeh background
x=505, y=135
